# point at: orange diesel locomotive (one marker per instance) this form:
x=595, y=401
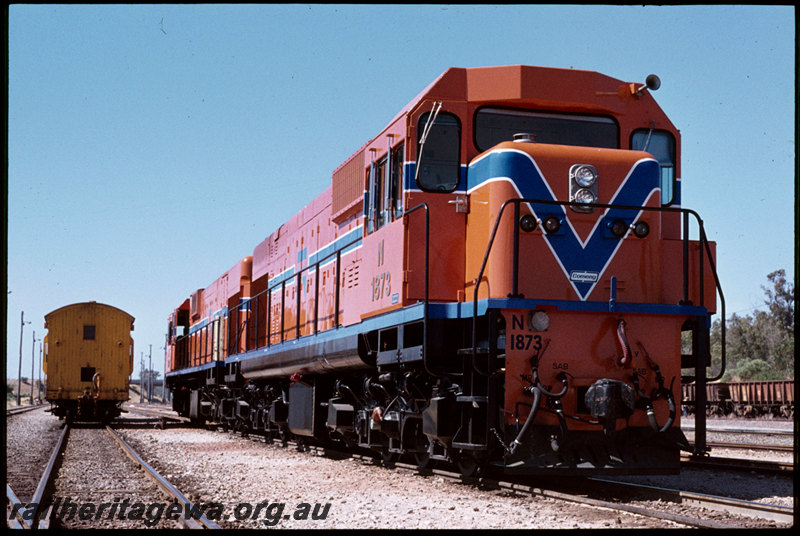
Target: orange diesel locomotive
x=502, y=277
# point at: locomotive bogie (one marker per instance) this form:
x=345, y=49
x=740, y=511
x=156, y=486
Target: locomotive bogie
x=87, y=360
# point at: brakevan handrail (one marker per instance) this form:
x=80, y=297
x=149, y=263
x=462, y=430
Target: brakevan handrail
x=683, y=211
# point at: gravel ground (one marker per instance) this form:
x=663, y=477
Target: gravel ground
x=26, y=458
x=768, y=489
x=360, y=495
x=249, y=484
x=95, y=472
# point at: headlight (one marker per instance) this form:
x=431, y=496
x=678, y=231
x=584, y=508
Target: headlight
x=583, y=186
x=584, y=175
x=584, y=196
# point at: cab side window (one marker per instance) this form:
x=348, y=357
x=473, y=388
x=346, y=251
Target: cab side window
x=384, y=196
x=661, y=145
x=438, y=157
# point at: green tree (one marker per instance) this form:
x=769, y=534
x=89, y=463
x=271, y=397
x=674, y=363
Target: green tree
x=761, y=346
x=780, y=300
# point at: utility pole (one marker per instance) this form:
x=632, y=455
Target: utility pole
x=141, y=380
x=39, y=383
x=33, y=360
x=19, y=372
x=150, y=376
x=164, y=379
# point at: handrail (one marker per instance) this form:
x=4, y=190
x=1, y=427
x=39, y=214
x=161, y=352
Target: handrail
x=254, y=301
x=426, y=295
x=683, y=211
x=316, y=265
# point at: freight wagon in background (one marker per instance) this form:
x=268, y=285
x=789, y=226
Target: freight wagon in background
x=745, y=399
x=500, y=277
x=87, y=361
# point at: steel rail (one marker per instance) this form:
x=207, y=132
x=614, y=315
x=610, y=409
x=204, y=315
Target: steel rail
x=14, y=519
x=44, y=483
x=23, y=409
x=754, y=431
x=772, y=512
x=737, y=464
x=749, y=446
x=47, y=479
x=201, y=522
x=574, y=498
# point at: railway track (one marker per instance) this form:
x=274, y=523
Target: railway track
x=632, y=498
x=88, y=471
x=23, y=409
x=595, y=492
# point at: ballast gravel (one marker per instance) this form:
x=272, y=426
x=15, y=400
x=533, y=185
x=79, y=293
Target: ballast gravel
x=300, y=490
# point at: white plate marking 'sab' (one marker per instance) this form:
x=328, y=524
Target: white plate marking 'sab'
x=582, y=261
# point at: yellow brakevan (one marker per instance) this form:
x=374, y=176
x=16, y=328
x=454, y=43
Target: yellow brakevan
x=88, y=361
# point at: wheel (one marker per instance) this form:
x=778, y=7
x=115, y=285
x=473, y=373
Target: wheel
x=471, y=465
x=467, y=465
x=422, y=459
x=389, y=459
x=423, y=456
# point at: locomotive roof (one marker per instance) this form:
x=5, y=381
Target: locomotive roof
x=527, y=83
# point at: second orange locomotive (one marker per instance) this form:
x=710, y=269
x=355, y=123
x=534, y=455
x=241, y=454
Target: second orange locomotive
x=501, y=276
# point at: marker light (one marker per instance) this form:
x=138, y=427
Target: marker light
x=551, y=224
x=619, y=228
x=641, y=229
x=527, y=223
x=540, y=321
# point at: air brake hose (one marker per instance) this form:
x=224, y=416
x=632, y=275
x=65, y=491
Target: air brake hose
x=534, y=361
x=537, y=397
x=658, y=393
x=561, y=376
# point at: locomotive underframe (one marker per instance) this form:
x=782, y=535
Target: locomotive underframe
x=445, y=408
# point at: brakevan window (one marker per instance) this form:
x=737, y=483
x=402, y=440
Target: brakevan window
x=87, y=374
x=88, y=332
x=495, y=125
x=439, y=165
x=661, y=145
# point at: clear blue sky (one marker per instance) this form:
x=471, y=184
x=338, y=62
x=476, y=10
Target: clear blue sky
x=152, y=146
